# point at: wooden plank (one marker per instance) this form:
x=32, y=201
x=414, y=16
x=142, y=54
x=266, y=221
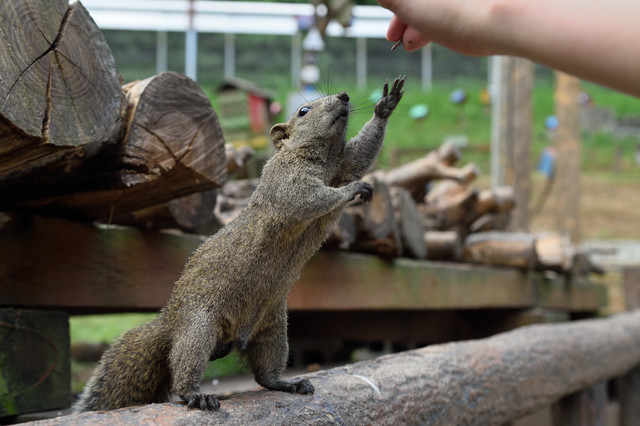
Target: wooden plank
x=77, y=267
x=575, y=296
x=631, y=287
x=342, y=281
x=35, y=373
x=47, y=263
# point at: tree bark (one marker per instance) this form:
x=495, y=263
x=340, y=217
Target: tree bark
x=172, y=146
x=449, y=205
x=489, y=382
x=60, y=95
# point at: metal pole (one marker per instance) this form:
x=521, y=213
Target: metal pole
x=161, y=52
x=296, y=60
x=191, y=46
x=497, y=90
x=361, y=62
x=426, y=72
x=229, y=55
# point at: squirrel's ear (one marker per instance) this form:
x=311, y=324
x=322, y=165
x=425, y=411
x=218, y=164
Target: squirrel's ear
x=279, y=133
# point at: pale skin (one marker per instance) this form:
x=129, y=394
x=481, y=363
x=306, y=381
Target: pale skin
x=592, y=39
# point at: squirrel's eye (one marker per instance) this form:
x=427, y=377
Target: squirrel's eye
x=303, y=111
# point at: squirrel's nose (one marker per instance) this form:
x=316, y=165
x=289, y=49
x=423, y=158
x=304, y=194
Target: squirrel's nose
x=343, y=96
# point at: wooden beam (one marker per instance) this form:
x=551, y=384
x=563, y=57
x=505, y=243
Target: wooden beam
x=54, y=263
x=566, y=192
x=512, y=133
x=629, y=397
x=586, y=407
x=489, y=381
x=35, y=373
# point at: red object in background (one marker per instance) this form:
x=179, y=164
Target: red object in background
x=257, y=113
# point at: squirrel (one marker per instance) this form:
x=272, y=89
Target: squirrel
x=233, y=290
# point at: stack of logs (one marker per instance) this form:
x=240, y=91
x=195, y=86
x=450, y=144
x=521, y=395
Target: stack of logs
x=428, y=209
x=75, y=142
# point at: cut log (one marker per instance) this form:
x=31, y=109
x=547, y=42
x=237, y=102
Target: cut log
x=60, y=95
x=501, y=249
x=555, y=252
x=490, y=222
x=415, y=175
x=389, y=247
x=375, y=219
x=443, y=245
x=240, y=188
x=237, y=158
x=409, y=223
x=497, y=200
x=191, y=213
x=228, y=208
x=344, y=233
x=172, y=146
x=449, y=205
x=489, y=382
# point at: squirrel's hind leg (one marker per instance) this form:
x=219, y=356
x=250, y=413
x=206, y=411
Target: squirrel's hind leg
x=267, y=354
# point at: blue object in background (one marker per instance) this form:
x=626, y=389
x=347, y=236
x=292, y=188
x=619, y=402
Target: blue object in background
x=458, y=97
x=375, y=96
x=418, y=112
x=551, y=122
x=547, y=162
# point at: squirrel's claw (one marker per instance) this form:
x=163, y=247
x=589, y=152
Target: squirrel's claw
x=204, y=402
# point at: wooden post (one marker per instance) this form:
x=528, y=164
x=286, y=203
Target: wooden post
x=629, y=398
x=629, y=384
x=35, y=373
x=511, y=141
x=567, y=173
x=582, y=408
x=522, y=80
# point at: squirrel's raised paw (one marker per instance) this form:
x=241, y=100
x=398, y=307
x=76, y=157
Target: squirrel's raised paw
x=203, y=402
x=390, y=98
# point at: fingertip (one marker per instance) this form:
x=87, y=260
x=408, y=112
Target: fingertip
x=396, y=29
x=412, y=40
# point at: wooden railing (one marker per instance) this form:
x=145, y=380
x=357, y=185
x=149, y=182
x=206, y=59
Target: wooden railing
x=484, y=382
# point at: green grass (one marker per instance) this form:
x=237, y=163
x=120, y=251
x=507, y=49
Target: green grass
x=107, y=328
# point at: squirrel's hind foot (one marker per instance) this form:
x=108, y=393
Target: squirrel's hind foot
x=203, y=402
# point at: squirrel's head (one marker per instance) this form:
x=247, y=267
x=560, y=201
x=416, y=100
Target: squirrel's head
x=324, y=119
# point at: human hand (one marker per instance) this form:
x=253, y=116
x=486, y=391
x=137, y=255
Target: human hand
x=456, y=24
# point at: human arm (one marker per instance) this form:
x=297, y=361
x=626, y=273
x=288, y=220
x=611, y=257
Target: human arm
x=595, y=40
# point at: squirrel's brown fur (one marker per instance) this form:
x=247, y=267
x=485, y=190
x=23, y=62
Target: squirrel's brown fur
x=233, y=291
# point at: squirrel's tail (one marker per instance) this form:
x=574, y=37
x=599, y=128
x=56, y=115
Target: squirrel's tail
x=133, y=371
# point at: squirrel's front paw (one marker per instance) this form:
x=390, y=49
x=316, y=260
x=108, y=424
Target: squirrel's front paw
x=363, y=189
x=390, y=99
x=203, y=402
